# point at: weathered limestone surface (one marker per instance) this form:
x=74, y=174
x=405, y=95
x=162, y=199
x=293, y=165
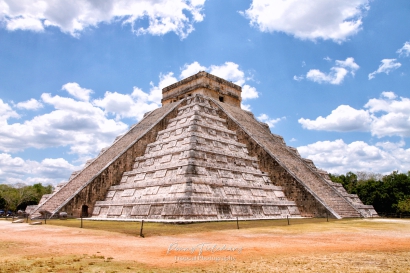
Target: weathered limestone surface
x=293, y=167
x=195, y=170
x=91, y=183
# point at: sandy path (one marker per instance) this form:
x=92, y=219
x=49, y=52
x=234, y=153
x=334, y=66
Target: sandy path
x=22, y=240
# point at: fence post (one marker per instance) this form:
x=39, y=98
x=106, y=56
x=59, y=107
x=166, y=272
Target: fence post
x=142, y=225
x=81, y=217
x=237, y=223
x=327, y=216
x=287, y=217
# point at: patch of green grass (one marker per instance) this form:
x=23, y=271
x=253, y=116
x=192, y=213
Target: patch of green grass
x=277, y=226
x=165, y=229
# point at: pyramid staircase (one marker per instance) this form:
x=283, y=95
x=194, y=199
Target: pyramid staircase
x=296, y=166
x=83, y=178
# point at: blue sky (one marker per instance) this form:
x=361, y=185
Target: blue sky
x=331, y=77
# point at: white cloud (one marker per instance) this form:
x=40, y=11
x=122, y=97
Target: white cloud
x=338, y=157
x=343, y=119
x=125, y=105
x=327, y=58
x=336, y=74
x=6, y=112
x=387, y=66
x=348, y=63
x=390, y=115
x=405, y=50
x=79, y=125
x=77, y=91
x=229, y=71
x=298, y=78
x=165, y=80
x=305, y=19
x=389, y=95
x=249, y=92
x=24, y=23
x=271, y=122
x=48, y=171
x=385, y=116
x=191, y=69
x=246, y=107
x=75, y=16
x=136, y=104
x=31, y=104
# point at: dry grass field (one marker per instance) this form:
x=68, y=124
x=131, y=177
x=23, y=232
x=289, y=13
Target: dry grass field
x=306, y=245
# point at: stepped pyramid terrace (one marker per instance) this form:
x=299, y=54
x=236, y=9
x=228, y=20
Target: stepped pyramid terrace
x=200, y=157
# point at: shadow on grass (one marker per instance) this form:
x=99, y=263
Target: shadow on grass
x=164, y=229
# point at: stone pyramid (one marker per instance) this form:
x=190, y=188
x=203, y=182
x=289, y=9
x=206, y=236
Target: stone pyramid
x=200, y=157
x=195, y=170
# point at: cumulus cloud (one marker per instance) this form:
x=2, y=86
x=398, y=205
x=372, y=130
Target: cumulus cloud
x=123, y=105
x=405, y=50
x=191, y=69
x=136, y=104
x=31, y=104
x=386, y=66
x=271, y=122
x=75, y=90
x=249, y=92
x=384, y=116
x=343, y=119
x=79, y=125
x=305, y=19
x=6, y=112
x=337, y=73
x=47, y=171
x=298, y=78
x=388, y=95
x=229, y=71
x=246, y=107
x=155, y=94
x=338, y=157
x=75, y=16
x=390, y=115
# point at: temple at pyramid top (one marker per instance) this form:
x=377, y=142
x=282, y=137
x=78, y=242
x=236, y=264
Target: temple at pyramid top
x=205, y=84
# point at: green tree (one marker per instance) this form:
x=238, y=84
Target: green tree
x=387, y=193
x=19, y=196
x=404, y=205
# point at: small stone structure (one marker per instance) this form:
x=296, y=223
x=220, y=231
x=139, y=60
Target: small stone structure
x=200, y=157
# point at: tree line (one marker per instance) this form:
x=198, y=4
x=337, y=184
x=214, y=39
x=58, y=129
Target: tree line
x=389, y=194
x=19, y=196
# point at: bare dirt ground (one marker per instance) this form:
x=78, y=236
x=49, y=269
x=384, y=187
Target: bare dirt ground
x=376, y=245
